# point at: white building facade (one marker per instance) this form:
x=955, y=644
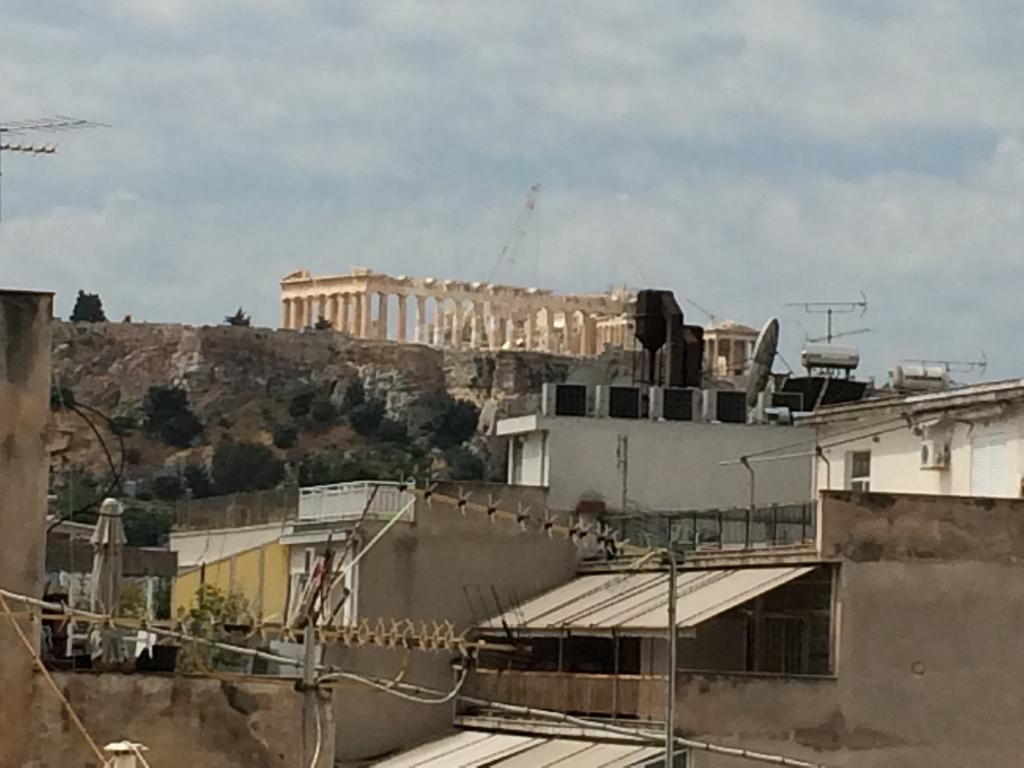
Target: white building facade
x=967, y=441
x=653, y=464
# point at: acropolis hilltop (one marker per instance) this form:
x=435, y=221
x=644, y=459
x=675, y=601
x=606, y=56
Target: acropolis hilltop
x=457, y=314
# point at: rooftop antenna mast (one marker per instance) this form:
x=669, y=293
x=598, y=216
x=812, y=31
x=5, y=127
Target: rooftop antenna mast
x=955, y=366
x=831, y=308
x=56, y=124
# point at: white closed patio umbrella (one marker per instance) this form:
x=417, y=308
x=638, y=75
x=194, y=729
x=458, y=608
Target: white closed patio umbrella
x=107, y=559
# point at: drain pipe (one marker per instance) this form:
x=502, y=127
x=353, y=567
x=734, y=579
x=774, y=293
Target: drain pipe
x=828, y=467
x=745, y=461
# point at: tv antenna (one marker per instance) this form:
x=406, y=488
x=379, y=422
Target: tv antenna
x=955, y=366
x=841, y=334
x=511, y=247
x=831, y=308
x=56, y=124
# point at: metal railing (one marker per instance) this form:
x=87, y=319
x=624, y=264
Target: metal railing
x=774, y=525
x=346, y=501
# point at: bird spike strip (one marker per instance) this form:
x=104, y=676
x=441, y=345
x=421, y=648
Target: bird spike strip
x=573, y=530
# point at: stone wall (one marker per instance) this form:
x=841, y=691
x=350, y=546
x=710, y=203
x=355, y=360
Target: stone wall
x=24, y=401
x=184, y=721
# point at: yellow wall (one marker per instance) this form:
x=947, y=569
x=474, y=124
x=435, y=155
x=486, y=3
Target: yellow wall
x=241, y=574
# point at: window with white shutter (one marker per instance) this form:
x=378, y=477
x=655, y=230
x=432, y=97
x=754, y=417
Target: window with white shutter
x=988, y=466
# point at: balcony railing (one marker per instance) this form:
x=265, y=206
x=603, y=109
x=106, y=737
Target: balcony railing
x=775, y=525
x=640, y=697
x=346, y=501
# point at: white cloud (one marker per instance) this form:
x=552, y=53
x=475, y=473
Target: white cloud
x=746, y=155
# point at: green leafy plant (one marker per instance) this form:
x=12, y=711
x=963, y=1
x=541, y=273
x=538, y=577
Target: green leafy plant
x=210, y=616
x=197, y=478
x=169, y=416
x=284, y=436
x=245, y=466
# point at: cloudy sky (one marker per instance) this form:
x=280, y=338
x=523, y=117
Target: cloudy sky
x=746, y=155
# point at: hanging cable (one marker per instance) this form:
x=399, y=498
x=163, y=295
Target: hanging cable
x=53, y=685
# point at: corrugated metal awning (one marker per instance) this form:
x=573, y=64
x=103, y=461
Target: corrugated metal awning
x=476, y=749
x=637, y=602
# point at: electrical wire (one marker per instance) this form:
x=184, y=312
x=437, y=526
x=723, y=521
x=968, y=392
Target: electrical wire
x=319, y=734
x=49, y=679
x=392, y=686
x=423, y=695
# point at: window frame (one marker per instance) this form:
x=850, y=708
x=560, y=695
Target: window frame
x=858, y=481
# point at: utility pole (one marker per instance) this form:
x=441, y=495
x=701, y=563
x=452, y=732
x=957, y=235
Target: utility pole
x=310, y=713
x=670, y=687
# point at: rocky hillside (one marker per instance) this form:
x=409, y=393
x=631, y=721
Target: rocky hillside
x=256, y=385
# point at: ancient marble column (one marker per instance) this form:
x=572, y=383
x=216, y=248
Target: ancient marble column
x=529, y=328
x=549, y=338
x=332, y=310
x=357, y=314
x=365, y=323
x=586, y=334
x=382, y=314
x=421, y=320
x=346, y=313
x=403, y=316
x=457, y=316
x=508, y=338
x=474, y=324
x=286, y=313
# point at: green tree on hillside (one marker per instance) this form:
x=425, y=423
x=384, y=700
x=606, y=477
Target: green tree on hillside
x=239, y=319
x=245, y=466
x=169, y=416
x=88, y=309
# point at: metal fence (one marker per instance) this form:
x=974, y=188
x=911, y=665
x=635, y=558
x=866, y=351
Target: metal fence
x=236, y=509
x=775, y=525
x=346, y=501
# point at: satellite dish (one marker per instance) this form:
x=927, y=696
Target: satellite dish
x=761, y=363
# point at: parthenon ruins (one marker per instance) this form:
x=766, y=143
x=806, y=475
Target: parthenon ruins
x=452, y=313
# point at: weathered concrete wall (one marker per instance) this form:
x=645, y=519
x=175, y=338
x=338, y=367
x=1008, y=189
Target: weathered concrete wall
x=423, y=571
x=669, y=465
x=24, y=406
x=866, y=527
x=184, y=721
x=929, y=672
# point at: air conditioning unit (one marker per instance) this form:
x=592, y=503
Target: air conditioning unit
x=731, y=407
x=726, y=406
x=934, y=454
x=565, y=400
x=675, y=403
x=625, y=402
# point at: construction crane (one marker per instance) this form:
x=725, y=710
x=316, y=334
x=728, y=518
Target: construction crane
x=56, y=124
x=707, y=312
x=510, y=249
